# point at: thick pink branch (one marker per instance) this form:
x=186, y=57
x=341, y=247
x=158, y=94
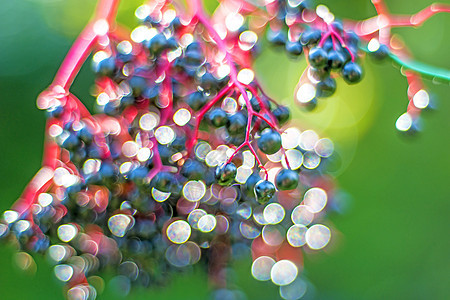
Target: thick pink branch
x=419, y=18
x=105, y=12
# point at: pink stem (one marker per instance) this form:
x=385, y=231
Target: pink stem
x=200, y=14
x=418, y=18
x=203, y=111
x=106, y=10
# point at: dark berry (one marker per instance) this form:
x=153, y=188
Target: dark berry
x=335, y=60
x=71, y=142
x=105, y=67
x=352, y=38
x=310, y=37
x=218, y=117
x=172, y=43
x=208, y=81
x=256, y=105
x=179, y=143
x=176, y=23
x=318, y=57
x=166, y=153
x=111, y=108
x=381, y=53
x=269, y=142
x=193, y=54
x=277, y=38
x=55, y=111
x=236, y=124
x=194, y=47
x=320, y=73
x=352, y=73
x=326, y=87
x=137, y=175
x=286, y=179
x=196, y=100
x=127, y=101
x=138, y=85
x=294, y=49
x=85, y=135
x=226, y=173
x=164, y=182
x=282, y=114
x=151, y=93
x=328, y=45
x=157, y=44
x=264, y=191
x=310, y=104
x=193, y=169
x=249, y=186
x=194, y=59
x=337, y=26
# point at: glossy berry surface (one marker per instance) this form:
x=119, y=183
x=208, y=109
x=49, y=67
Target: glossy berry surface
x=165, y=182
x=352, y=73
x=336, y=60
x=269, y=142
x=294, y=49
x=236, y=124
x=196, y=100
x=381, y=53
x=264, y=191
x=326, y=87
x=310, y=37
x=318, y=57
x=287, y=180
x=226, y=173
x=282, y=114
x=218, y=117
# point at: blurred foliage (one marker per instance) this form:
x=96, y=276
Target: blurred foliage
x=392, y=244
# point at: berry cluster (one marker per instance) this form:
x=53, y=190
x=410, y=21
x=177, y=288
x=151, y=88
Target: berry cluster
x=331, y=50
x=187, y=160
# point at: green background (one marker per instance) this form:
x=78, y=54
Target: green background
x=392, y=241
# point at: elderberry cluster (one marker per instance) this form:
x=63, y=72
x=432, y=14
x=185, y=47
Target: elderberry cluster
x=331, y=50
x=182, y=163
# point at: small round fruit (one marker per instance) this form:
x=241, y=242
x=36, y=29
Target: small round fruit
x=326, y=87
x=381, y=53
x=282, y=114
x=249, y=186
x=105, y=67
x=138, y=85
x=164, y=182
x=193, y=169
x=226, y=173
x=318, y=57
x=264, y=191
x=336, y=60
x=352, y=73
x=157, y=44
x=294, y=49
x=277, y=38
x=196, y=100
x=218, y=117
x=310, y=37
x=320, y=73
x=236, y=124
x=269, y=142
x=286, y=180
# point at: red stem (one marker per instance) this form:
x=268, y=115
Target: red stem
x=202, y=18
x=418, y=18
x=203, y=111
x=106, y=10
